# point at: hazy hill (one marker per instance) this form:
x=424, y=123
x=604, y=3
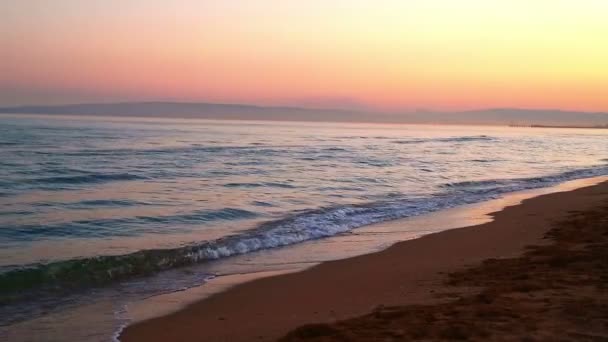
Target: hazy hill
x=248, y=112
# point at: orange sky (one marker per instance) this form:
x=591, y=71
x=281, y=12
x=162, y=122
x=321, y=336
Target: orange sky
x=382, y=54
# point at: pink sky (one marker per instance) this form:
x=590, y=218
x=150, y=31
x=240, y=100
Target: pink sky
x=383, y=54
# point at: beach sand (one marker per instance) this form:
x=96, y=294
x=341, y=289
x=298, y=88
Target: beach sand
x=434, y=287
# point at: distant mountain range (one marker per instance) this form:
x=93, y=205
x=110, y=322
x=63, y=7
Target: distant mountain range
x=503, y=116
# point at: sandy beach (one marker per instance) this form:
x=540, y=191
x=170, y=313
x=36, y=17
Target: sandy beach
x=432, y=272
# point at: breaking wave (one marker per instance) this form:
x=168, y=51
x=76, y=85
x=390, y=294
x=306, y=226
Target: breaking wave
x=307, y=225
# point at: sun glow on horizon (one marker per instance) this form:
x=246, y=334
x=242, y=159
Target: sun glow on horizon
x=385, y=54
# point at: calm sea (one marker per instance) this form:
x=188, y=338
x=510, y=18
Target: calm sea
x=89, y=202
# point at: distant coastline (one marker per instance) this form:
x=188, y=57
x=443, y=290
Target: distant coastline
x=559, y=126
x=203, y=110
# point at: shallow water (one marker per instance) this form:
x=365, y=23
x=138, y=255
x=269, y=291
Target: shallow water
x=90, y=201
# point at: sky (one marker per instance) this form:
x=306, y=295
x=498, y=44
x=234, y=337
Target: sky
x=390, y=55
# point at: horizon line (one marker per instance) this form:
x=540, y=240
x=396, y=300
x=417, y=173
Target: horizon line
x=300, y=107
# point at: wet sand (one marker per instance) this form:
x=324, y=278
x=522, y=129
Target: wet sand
x=442, y=275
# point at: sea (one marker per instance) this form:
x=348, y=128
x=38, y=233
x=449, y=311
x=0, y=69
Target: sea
x=99, y=214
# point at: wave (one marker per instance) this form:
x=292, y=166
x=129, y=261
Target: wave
x=515, y=184
x=253, y=149
x=334, y=149
x=308, y=225
x=78, y=273
x=100, y=228
x=258, y=185
x=105, y=203
x=484, y=160
x=84, y=179
x=446, y=140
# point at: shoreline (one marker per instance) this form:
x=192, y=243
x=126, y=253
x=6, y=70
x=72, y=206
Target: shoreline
x=266, y=309
x=551, y=292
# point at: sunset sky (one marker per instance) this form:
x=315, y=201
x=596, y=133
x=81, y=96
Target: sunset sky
x=374, y=54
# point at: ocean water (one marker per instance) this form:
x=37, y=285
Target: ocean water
x=92, y=203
